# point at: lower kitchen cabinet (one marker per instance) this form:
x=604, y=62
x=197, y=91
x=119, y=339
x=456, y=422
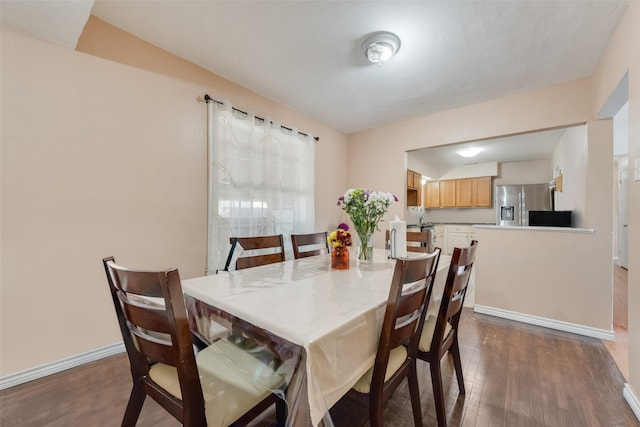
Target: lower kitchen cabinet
x=458, y=236
x=440, y=241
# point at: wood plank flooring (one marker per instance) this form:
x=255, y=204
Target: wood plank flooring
x=620, y=348
x=515, y=375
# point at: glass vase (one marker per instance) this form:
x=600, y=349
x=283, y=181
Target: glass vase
x=365, y=248
x=340, y=258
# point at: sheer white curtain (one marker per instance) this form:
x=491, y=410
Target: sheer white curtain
x=261, y=180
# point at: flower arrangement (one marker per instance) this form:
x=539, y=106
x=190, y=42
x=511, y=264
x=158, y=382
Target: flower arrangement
x=365, y=208
x=340, y=236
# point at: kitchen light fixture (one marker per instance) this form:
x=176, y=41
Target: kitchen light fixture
x=380, y=46
x=468, y=152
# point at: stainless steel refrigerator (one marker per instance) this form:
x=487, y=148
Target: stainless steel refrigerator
x=513, y=202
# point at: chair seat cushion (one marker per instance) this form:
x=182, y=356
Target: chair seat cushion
x=427, y=333
x=233, y=381
x=397, y=356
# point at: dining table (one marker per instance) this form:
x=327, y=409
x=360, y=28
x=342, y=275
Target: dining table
x=315, y=326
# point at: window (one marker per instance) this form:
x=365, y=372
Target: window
x=261, y=180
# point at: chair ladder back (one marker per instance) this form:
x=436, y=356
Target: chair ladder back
x=317, y=240
x=255, y=243
x=154, y=330
x=458, y=291
x=150, y=328
x=436, y=345
x=454, y=293
x=421, y=237
x=406, y=305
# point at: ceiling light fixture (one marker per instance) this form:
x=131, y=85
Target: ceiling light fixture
x=380, y=46
x=468, y=152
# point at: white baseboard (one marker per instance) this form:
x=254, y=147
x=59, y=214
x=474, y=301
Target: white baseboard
x=632, y=400
x=60, y=365
x=588, y=331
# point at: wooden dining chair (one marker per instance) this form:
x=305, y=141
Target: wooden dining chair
x=196, y=390
x=306, y=245
x=395, y=359
x=440, y=334
x=420, y=237
x=271, y=250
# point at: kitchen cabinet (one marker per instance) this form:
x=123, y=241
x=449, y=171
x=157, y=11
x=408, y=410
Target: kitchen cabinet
x=431, y=195
x=414, y=180
x=473, y=192
x=460, y=193
x=463, y=193
x=440, y=234
x=481, y=192
x=414, y=188
x=448, y=193
x=458, y=235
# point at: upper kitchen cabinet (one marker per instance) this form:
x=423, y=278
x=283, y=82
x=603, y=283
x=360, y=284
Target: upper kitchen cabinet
x=463, y=193
x=431, y=195
x=414, y=180
x=448, y=193
x=458, y=193
x=481, y=192
x=473, y=192
x=414, y=188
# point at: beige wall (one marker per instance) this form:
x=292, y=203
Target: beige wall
x=383, y=148
x=106, y=41
x=544, y=274
x=621, y=56
x=524, y=172
x=526, y=112
x=570, y=159
x=99, y=159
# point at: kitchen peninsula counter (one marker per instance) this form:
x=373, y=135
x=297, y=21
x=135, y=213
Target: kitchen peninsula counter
x=556, y=277
x=535, y=229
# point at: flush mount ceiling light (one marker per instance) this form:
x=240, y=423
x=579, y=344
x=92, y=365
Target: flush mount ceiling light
x=468, y=152
x=380, y=46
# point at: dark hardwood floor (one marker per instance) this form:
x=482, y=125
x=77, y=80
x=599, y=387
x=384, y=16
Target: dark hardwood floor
x=515, y=375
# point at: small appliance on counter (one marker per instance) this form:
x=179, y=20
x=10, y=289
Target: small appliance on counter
x=550, y=218
x=431, y=236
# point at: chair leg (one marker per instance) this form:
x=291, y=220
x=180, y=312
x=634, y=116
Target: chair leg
x=455, y=353
x=136, y=400
x=414, y=392
x=281, y=412
x=438, y=394
x=375, y=410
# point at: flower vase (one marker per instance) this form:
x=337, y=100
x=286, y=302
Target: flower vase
x=365, y=248
x=340, y=258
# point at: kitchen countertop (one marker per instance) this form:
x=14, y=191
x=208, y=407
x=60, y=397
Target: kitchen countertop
x=452, y=223
x=529, y=228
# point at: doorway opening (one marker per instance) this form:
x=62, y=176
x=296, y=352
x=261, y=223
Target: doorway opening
x=617, y=107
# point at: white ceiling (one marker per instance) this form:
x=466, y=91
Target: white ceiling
x=307, y=54
x=531, y=146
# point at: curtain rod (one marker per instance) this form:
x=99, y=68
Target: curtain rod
x=208, y=99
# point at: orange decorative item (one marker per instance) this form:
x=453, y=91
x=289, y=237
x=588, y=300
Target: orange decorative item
x=340, y=258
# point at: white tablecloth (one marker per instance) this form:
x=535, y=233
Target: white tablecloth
x=335, y=315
